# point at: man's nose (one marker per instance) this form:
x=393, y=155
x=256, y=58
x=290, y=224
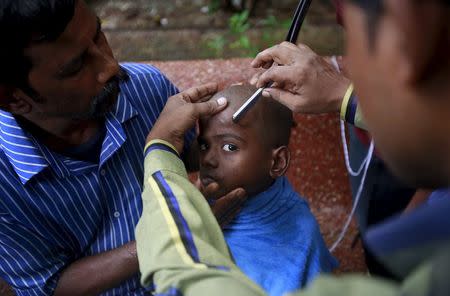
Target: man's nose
x=209, y=159
x=108, y=67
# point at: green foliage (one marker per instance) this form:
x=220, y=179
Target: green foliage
x=270, y=21
x=238, y=23
x=237, y=37
x=217, y=44
x=214, y=5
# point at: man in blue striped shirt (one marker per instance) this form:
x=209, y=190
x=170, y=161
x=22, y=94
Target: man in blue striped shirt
x=72, y=128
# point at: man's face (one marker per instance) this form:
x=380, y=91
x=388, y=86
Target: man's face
x=233, y=155
x=74, y=76
x=404, y=127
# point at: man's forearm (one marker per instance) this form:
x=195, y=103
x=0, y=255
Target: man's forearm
x=96, y=274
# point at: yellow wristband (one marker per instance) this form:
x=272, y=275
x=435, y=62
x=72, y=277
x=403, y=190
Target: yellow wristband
x=157, y=141
x=345, y=100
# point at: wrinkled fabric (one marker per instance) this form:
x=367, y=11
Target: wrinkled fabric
x=276, y=240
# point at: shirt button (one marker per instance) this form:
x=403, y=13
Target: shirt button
x=103, y=172
x=117, y=214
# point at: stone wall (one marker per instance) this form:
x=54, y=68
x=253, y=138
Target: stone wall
x=141, y=30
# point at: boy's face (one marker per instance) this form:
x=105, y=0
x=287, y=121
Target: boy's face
x=234, y=155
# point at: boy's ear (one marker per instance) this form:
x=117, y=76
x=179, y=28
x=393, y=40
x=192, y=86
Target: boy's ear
x=280, y=161
x=14, y=101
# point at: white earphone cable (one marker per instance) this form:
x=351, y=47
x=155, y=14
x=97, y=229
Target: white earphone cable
x=365, y=164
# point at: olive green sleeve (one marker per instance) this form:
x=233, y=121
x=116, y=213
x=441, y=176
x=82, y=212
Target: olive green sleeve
x=350, y=285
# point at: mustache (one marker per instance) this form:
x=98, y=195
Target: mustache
x=111, y=88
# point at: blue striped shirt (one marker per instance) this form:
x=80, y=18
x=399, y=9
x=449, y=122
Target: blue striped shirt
x=55, y=209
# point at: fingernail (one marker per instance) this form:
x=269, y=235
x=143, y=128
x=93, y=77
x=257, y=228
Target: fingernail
x=266, y=94
x=221, y=101
x=241, y=193
x=253, y=80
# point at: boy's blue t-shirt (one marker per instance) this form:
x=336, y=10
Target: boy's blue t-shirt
x=276, y=240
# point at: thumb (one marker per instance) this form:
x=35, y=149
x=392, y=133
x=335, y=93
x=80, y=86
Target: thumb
x=210, y=107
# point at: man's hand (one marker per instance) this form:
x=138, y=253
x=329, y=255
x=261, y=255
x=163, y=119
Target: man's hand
x=224, y=208
x=182, y=111
x=303, y=81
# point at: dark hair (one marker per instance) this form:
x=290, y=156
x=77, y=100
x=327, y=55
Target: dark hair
x=278, y=122
x=22, y=23
x=374, y=9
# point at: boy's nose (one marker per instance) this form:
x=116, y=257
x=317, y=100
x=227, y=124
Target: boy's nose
x=209, y=159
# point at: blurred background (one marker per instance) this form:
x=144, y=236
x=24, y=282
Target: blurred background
x=142, y=30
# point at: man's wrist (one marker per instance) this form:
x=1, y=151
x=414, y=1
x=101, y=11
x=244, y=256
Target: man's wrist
x=131, y=250
x=161, y=155
x=350, y=111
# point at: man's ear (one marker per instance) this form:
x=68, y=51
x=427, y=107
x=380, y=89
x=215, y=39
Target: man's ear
x=280, y=161
x=15, y=101
x=424, y=31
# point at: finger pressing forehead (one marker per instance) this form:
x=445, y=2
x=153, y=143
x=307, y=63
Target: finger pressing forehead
x=236, y=95
x=200, y=93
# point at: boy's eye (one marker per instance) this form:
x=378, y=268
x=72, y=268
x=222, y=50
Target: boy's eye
x=229, y=147
x=203, y=146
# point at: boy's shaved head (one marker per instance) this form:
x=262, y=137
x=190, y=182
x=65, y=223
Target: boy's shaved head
x=248, y=154
x=272, y=119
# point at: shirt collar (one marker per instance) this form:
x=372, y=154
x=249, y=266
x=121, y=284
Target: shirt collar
x=267, y=204
x=28, y=157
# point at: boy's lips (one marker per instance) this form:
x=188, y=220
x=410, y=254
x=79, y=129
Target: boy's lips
x=206, y=180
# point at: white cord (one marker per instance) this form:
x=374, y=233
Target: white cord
x=346, y=154
x=365, y=164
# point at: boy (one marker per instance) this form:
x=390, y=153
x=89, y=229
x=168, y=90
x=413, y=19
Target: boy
x=275, y=239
